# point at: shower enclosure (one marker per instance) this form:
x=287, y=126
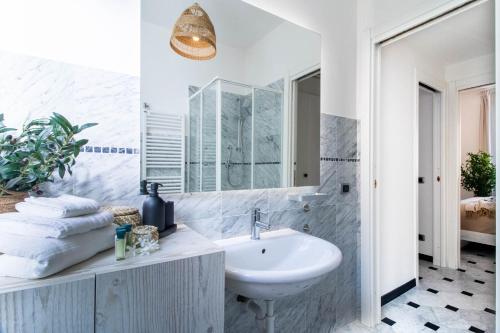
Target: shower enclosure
x=234, y=137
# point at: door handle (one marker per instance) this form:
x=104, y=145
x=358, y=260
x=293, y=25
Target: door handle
x=438, y=179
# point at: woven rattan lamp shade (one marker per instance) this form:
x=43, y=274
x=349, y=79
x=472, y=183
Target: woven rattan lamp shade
x=193, y=35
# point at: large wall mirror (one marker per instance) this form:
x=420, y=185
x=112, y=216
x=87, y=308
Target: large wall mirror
x=244, y=118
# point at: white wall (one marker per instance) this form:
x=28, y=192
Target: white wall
x=470, y=104
x=471, y=68
x=166, y=76
x=277, y=55
x=336, y=22
x=102, y=34
x=388, y=14
x=396, y=162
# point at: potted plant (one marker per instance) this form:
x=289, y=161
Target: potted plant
x=30, y=158
x=478, y=174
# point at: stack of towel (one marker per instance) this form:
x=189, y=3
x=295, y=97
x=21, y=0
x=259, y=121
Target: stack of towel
x=47, y=235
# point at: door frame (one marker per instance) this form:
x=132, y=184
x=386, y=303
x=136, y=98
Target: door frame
x=290, y=123
x=453, y=205
x=370, y=228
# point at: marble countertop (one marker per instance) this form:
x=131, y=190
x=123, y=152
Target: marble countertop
x=184, y=243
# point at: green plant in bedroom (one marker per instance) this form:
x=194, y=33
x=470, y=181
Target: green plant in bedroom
x=478, y=174
x=30, y=158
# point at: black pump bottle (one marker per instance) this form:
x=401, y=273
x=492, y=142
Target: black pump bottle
x=153, y=209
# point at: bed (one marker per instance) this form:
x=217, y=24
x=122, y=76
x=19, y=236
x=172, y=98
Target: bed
x=477, y=220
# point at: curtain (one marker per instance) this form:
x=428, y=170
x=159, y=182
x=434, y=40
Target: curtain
x=484, y=122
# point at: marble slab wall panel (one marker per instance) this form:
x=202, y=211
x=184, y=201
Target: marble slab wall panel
x=267, y=138
x=235, y=117
x=106, y=169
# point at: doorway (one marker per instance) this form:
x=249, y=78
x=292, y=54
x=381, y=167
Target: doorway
x=477, y=143
x=306, y=92
x=429, y=178
x=437, y=50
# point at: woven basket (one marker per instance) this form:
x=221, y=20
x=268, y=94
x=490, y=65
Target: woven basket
x=125, y=215
x=9, y=200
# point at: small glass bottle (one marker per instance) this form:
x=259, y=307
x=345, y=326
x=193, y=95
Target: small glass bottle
x=128, y=237
x=120, y=243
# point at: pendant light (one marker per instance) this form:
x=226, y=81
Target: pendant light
x=193, y=36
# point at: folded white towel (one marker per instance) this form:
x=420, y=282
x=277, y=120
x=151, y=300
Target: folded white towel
x=33, y=258
x=37, y=226
x=63, y=206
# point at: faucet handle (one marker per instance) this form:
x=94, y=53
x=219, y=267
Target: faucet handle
x=262, y=225
x=256, y=214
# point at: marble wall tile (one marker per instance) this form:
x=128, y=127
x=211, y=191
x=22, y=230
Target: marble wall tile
x=243, y=202
x=278, y=85
x=278, y=200
x=236, y=318
x=295, y=219
x=321, y=313
x=194, y=206
x=346, y=137
x=99, y=96
x=292, y=314
x=267, y=175
x=209, y=227
x=233, y=226
x=107, y=177
x=328, y=135
x=345, y=296
x=33, y=87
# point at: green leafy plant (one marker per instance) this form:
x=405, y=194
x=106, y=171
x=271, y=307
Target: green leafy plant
x=478, y=174
x=31, y=158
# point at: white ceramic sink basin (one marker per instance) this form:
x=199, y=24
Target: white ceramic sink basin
x=281, y=263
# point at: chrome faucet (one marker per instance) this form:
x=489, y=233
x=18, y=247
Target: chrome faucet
x=257, y=224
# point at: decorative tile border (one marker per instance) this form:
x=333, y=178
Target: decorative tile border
x=337, y=159
x=109, y=150
x=234, y=163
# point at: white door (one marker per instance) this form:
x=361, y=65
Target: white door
x=425, y=171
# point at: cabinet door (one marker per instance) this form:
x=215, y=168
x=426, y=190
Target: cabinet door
x=59, y=308
x=174, y=297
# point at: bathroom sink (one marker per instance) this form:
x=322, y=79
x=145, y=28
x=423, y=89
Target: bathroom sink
x=281, y=263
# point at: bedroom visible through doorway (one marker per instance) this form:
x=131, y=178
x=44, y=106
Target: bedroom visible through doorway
x=477, y=192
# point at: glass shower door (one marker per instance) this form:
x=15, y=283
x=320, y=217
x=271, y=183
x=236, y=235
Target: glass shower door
x=193, y=151
x=267, y=138
x=209, y=138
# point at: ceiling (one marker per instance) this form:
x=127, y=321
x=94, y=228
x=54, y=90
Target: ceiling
x=462, y=37
x=237, y=23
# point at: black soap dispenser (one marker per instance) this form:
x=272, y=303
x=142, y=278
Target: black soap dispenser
x=153, y=209
x=158, y=213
